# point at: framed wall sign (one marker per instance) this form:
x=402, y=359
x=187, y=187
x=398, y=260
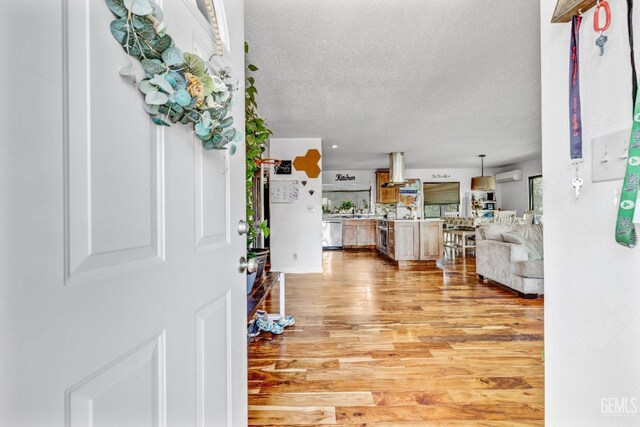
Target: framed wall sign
x=283, y=168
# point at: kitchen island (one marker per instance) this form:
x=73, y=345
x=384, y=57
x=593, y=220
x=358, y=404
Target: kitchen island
x=405, y=241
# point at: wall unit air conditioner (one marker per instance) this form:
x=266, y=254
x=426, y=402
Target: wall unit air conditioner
x=509, y=176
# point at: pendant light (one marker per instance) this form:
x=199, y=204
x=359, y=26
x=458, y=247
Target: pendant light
x=483, y=183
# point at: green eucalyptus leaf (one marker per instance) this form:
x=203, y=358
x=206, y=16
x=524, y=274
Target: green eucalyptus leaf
x=202, y=130
x=153, y=66
x=232, y=149
x=118, y=29
x=208, y=145
x=185, y=120
x=156, y=98
x=252, y=67
x=161, y=82
x=117, y=7
x=147, y=31
x=172, y=57
x=158, y=14
x=182, y=97
x=139, y=7
x=177, y=108
x=151, y=109
x=146, y=87
x=163, y=43
x=181, y=83
x=226, y=122
x=206, y=119
x=159, y=121
x=140, y=21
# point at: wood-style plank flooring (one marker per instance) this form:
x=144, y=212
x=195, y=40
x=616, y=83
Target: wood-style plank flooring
x=377, y=346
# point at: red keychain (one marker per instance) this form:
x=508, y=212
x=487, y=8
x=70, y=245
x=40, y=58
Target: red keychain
x=602, y=39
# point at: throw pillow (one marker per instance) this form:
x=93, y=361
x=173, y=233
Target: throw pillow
x=517, y=238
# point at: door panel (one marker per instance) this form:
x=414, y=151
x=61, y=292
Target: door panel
x=119, y=291
x=114, y=216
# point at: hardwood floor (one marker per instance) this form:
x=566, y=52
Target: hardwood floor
x=377, y=346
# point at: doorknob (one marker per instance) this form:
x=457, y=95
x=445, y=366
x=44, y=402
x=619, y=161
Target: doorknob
x=243, y=227
x=250, y=265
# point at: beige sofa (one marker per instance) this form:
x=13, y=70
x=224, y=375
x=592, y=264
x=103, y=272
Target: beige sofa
x=512, y=254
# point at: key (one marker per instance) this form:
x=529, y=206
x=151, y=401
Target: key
x=577, y=184
x=600, y=41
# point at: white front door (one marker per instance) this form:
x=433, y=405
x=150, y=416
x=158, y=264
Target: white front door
x=121, y=303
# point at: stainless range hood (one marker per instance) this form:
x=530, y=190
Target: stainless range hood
x=396, y=170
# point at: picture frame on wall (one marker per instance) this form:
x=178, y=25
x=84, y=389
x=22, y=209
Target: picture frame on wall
x=283, y=168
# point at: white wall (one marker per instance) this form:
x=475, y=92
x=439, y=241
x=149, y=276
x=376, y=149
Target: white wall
x=296, y=228
x=592, y=292
x=514, y=196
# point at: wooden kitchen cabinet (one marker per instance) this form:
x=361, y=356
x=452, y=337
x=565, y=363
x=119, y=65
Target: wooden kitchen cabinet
x=406, y=241
x=385, y=195
x=359, y=234
x=431, y=240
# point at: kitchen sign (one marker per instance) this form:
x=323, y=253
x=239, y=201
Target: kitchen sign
x=340, y=177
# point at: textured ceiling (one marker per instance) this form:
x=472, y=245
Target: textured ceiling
x=441, y=80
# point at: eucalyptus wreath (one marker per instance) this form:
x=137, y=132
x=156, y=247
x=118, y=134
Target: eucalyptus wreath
x=177, y=86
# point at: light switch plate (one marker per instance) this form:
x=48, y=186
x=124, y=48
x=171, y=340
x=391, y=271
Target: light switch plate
x=609, y=156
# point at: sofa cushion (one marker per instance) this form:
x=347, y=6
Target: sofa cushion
x=533, y=269
x=519, y=239
x=494, y=231
x=533, y=234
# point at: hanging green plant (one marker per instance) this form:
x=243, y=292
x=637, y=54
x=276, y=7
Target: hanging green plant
x=177, y=86
x=257, y=134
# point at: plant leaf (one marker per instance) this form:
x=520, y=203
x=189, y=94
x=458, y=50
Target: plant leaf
x=147, y=31
x=156, y=98
x=226, y=122
x=163, y=43
x=117, y=7
x=118, y=29
x=158, y=14
x=146, y=87
x=202, y=130
x=232, y=149
x=206, y=119
x=172, y=57
x=159, y=121
x=151, y=109
x=153, y=66
x=182, y=97
x=139, y=7
x=207, y=84
x=195, y=64
x=181, y=83
x=252, y=67
x=162, y=83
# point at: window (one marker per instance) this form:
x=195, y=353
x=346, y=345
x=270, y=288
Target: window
x=440, y=197
x=535, y=194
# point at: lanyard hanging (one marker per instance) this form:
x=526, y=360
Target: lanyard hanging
x=625, y=229
x=575, y=120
